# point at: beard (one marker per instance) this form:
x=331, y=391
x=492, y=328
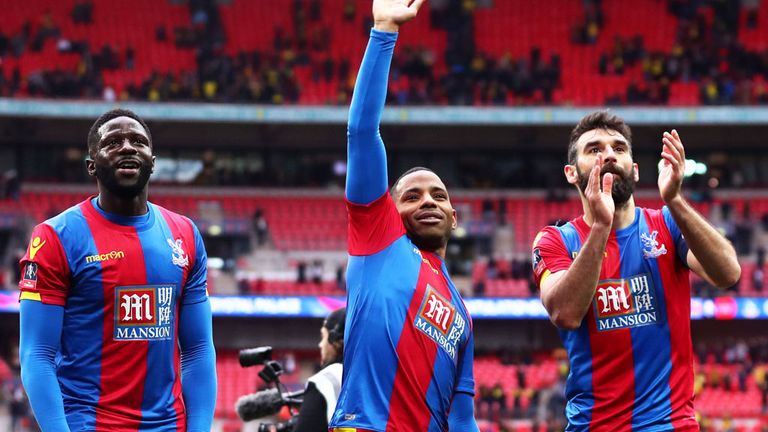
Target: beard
x=623, y=183
x=107, y=176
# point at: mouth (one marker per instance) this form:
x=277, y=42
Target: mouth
x=611, y=169
x=429, y=218
x=128, y=167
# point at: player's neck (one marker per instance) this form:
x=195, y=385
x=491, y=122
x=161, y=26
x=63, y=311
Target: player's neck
x=116, y=205
x=623, y=217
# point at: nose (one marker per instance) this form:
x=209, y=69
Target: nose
x=609, y=155
x=428, y=201
x=127, y=147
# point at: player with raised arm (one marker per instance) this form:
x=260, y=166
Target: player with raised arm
x=615, y=282
x=115, y=319
x=408, y=343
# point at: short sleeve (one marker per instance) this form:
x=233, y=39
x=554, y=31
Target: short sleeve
x=195, y=291
x=549, y=254
x=373, y=226
x=466, y=383
x=45, y=274
x=677, y=237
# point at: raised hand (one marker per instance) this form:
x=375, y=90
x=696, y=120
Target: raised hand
x=671, y=174
x=600, y=200
x=389, y=15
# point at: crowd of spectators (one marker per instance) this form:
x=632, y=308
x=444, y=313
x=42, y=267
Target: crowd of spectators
x=542, y=402
x=732, y=364
x=706, y=51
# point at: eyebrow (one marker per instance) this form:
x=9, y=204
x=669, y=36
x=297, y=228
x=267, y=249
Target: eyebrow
x=415, y=189
x=119, y=131
x=615, y=141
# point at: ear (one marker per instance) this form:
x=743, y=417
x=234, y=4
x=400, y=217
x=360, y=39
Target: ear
x=636, y=172
x=455, y=223
x=152, y=168
x=571, y=174
x=90, y=167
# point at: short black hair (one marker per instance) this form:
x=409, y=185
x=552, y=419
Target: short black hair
x=393, y=189
x=335, y=323
x=597, y=120
x=93, y=133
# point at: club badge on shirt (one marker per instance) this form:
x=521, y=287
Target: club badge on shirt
x=651, y=247
x=178, y=256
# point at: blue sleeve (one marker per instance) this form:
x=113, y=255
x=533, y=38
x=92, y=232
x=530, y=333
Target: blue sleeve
x=680, y=245
x=462, y=414
x=195, y=290
x=198, y=365
x=466, y=382
x=41, y=326
x=366, y=156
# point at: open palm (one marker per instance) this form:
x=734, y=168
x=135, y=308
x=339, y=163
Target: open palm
x=600, y=199
x=673, y=168
x=397, y=12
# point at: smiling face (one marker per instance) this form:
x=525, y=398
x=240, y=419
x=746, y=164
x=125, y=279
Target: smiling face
x=425, y=208
x=122, y=159
x=617, y=161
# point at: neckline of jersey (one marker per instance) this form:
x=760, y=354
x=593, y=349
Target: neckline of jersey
x=629, y=229
x=139, y=223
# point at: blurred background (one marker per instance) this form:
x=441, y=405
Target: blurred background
x=247, y=103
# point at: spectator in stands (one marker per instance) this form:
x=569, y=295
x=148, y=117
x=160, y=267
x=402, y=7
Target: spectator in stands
x=130, y=58
x=761, y=379
x=260, y=227
x=498, y=402
x=349, y=10
x=123, y=245
x=301, y=272
x=46, y=29
x=397, y=247
x=161, y=34
x=341, y=283
x=82, y=12
x=315, y=272
x=575, y=266
x=758, y=274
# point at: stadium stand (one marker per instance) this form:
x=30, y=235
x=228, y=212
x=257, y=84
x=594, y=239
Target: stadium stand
x=516, y=53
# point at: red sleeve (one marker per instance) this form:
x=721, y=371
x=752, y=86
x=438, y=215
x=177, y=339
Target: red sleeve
x=549, y=253
x=45, y=273
x=373, y=226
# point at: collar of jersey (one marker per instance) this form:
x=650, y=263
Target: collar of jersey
x=622, y=232
x=140, y=223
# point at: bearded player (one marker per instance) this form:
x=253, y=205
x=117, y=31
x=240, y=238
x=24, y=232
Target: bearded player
x=615, y=282
x=115, y=318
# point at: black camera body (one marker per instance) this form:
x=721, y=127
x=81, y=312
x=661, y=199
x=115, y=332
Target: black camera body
x=267, y=402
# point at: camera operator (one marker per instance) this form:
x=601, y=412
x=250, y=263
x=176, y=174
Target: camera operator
x=323, y=388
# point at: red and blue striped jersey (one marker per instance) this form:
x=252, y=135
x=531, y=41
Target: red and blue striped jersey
x=408, y=342
x=632, y=358
x=122, y=282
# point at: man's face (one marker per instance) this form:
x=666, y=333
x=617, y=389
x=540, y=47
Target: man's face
x=617, y=160
x=122, y=160
x=424, y=206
